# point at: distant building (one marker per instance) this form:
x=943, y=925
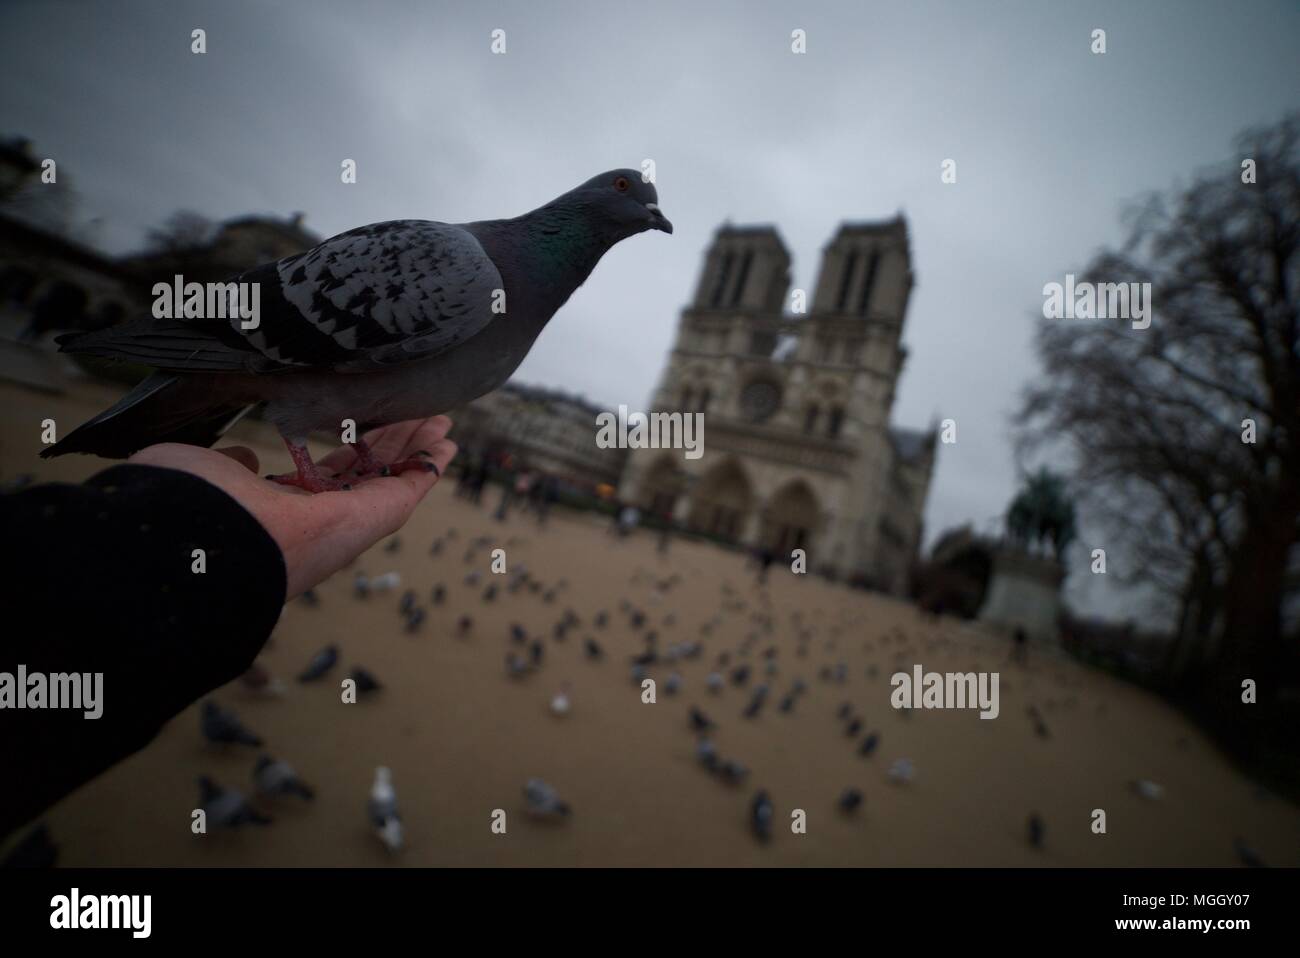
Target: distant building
x=540, y=429
x=798, y=449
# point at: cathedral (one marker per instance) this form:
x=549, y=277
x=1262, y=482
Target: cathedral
x=798, y=449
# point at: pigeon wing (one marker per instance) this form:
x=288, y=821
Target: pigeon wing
x=372, y=297
x=378, y=296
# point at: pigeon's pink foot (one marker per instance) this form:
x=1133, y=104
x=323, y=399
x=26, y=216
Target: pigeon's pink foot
x=308, y=475
x=368, y=466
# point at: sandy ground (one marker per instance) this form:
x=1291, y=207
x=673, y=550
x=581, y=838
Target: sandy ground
x=462, y=738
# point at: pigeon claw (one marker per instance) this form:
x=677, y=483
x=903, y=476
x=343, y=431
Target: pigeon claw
x=311, y=484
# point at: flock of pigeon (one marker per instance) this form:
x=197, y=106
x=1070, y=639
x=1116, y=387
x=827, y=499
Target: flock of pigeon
x=756, y=668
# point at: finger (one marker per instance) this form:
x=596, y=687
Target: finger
x=387, y=443
x=421, y=442
x=385, y=504
x=242, y=455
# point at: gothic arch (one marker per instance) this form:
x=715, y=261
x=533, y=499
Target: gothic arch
x=792, y=518
x=722, y=501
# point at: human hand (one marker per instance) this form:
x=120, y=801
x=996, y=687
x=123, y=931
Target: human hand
x=321, y=533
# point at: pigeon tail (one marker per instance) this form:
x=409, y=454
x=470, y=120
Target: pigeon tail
x=162, y=408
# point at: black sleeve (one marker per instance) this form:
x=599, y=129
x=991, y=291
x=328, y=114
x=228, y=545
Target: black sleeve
x=99, y=579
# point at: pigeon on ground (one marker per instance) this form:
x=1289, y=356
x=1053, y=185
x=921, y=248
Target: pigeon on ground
x=756, y=702
x=382, y=810
x=902, y=771
x=226, y=807
x=259, y=681
x=592, y=648
x=365, y=681
x=560, y=703
x=408, y=602
x=274, y=777
x=439, y=593
x=707, y=754
x=309, y=597
x=415, y=619
x=699, y=721
x=1035, y=830
x=869, y=744
x=543, y=801
x=853, y=728
x=850, y=800
x=389, y=322
x=223, y=727
x=760, y=816
x=1249, y=857
x=320, y=663
x=464, y=625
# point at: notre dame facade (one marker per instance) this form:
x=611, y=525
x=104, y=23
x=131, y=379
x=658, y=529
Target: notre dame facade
x=798, y=449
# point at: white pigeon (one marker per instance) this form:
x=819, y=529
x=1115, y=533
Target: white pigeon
x=560, y=703
x=382, y=809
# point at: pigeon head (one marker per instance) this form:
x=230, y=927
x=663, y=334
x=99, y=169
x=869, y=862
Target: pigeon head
x=622, y=202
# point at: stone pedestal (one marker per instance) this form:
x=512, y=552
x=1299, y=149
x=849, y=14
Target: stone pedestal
x=1024, y=592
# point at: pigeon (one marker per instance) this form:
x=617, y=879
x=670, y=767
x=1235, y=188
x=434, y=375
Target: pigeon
x=699, y=721
x=536, y=651
x=414, y=619
x=760, y=816
x=226, y=807
x=1148, y=789
x=365, y=681
x=361, y=586
x=385, y=582
x=439, y=593
x=382, y=810
x=869, y=744
x=593, y=650
x=320, y=663
x=408, y=602
x=602, y=618
x=756, y=702
x=1249, y=857
x=490, y=593
x=388, y=322
x=516, y=665
x=714, y=681
x=732, y=772
x=223, y=727
x=850, y=800
x=393, y=544
x=1035, y=829
x=673, y=684
x=707, y=754
x=853, y=728
x=560, y=704
x=518, y=634
x=464, y=625
x=902, y=771
x=261, y=682
x=543, y=802
x=309, y=597
x=273, y=777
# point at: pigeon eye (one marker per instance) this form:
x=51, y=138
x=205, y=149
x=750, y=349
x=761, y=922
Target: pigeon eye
x=621, y=184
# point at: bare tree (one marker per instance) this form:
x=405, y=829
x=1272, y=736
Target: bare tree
x=1159, y=420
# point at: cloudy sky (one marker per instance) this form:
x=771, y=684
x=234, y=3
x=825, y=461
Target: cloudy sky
x=1050, y=141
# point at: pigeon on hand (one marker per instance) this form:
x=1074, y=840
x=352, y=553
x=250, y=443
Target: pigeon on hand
x=223, y=727
x=226, y=807
x=320, y=663
x=382, y=810
x=389, y=322
x=274, y=777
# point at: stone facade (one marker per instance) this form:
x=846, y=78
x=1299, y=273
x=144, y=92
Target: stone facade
x=798, y=450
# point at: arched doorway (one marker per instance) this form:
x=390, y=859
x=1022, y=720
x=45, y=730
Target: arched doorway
x=663, y=484
x=791, y=518
x=722, y=501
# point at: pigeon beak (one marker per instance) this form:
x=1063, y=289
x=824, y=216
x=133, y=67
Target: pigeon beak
x=657, y=219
